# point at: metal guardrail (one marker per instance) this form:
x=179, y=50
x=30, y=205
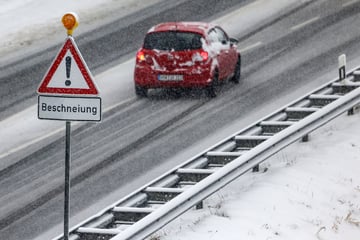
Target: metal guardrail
x=151, y=207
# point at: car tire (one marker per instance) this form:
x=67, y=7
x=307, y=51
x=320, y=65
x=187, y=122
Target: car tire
x=211, y=89
x=141, y=91
x=237, y=72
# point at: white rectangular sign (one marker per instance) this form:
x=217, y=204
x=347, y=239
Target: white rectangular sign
x=69, y=108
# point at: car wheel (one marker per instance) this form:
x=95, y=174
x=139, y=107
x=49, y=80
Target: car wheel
x=237, y=72
x=211, y=89
x=141, y=91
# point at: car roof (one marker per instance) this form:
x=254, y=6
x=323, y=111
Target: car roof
x=196, y=27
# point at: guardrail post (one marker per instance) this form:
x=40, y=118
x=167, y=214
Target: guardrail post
x=305, y=138
x=199, y=205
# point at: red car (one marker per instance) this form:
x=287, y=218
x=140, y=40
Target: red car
x=186, y=55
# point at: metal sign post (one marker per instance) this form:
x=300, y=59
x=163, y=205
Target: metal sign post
x=70, y=22
x=67, y=180
x=69, y=94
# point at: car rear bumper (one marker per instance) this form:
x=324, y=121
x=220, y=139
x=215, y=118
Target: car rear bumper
x=149, y=78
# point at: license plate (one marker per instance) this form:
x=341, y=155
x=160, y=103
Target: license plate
x=170, y=77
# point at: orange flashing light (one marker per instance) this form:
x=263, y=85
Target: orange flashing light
x=70, y=22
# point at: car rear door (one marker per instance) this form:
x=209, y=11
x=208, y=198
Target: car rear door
x=223, y=50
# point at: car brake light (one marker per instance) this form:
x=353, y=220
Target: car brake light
x=201, y=56
x=140, y=56
x=204, y=55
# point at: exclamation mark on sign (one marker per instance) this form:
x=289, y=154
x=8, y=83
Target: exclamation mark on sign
x=68, y=69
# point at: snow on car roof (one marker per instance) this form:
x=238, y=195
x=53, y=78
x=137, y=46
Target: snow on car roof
x=197, y=27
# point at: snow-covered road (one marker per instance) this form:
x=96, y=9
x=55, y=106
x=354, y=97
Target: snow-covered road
x=34, y=130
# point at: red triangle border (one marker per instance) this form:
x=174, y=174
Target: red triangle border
x=68, y=45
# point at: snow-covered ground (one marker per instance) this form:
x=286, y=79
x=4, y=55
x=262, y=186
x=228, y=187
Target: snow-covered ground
x=309, y=191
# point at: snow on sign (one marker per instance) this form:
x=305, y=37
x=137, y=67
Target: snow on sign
x=68, y=74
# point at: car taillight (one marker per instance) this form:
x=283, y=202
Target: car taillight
x=201, y=56
x=140, y=56
x=204, y=55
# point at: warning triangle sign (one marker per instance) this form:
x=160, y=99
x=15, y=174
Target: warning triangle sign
x=68, y=74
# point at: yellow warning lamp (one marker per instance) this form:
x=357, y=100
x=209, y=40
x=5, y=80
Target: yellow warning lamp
x=70, y=22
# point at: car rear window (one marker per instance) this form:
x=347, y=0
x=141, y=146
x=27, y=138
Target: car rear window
x=172, y=40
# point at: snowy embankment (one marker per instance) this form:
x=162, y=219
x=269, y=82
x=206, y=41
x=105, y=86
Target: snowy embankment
x=29, y=25
x=307, y=191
